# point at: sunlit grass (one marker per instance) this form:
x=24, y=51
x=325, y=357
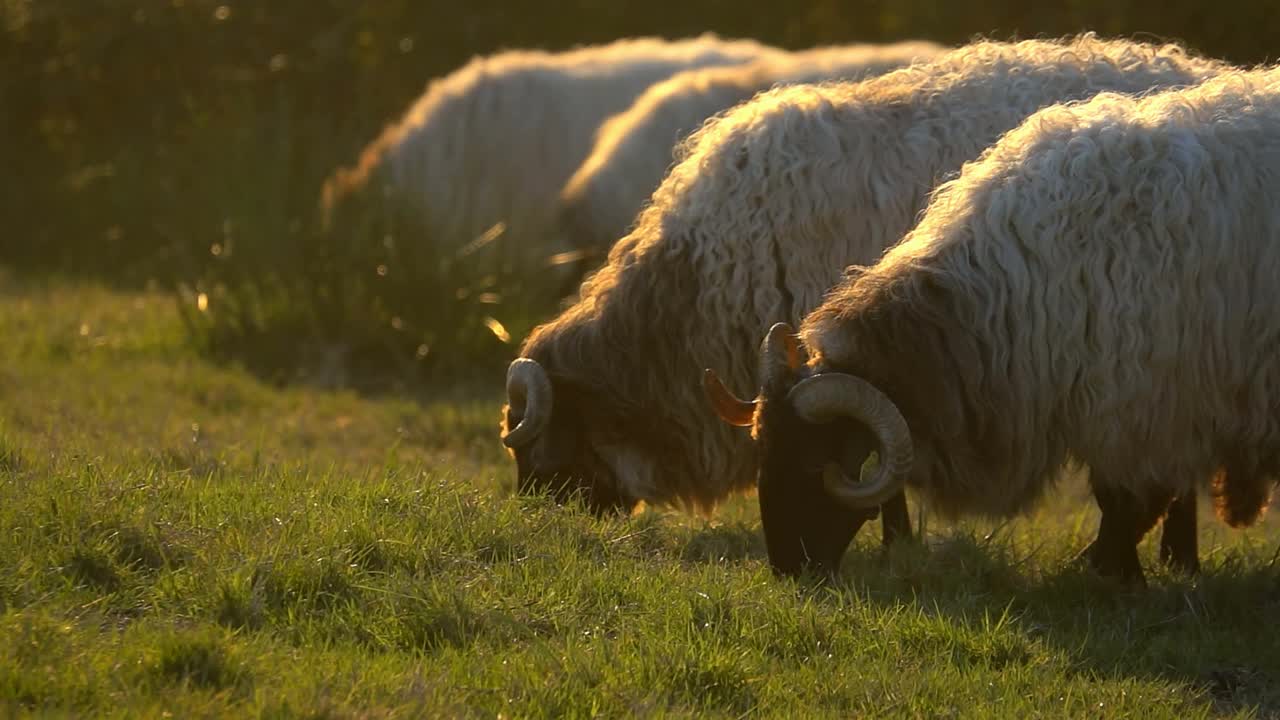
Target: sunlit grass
x=184, y=538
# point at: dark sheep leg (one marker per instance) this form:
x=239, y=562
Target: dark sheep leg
x=1179, y=544
x=1126, y=519
x=895, y=520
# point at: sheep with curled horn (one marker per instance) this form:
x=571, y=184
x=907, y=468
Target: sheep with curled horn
x=809, y=524
x=1099, y=287
x=633, y=149
x=484, y=151
x=756, y=222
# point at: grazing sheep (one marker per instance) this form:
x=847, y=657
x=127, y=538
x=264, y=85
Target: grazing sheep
x=769, y=203
x=494, y=141
x=1099, y=288
x=633, y=149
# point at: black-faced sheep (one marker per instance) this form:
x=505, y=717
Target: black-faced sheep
x=1098, y=289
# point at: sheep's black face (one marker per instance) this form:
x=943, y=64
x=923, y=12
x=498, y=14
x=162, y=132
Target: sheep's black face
x=805, y=529
x=562, y=463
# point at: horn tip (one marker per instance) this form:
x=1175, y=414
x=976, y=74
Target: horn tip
x=711, y=380
x=781, y=327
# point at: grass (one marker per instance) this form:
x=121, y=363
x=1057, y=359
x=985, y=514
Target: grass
x=195, y=522
x=181, y=539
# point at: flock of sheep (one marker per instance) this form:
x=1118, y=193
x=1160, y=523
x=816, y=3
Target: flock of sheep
x=1006, y=260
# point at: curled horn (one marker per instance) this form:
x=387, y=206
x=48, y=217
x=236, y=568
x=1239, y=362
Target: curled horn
x=529, y=393
x=826, y=397
x=729, y=407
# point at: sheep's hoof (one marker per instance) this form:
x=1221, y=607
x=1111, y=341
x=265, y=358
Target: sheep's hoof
x=1179, y=562
x=1116, y=564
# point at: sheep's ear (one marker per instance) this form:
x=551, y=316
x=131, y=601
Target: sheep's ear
x=729, y=407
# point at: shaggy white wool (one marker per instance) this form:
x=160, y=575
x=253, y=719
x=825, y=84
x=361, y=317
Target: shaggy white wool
x=1112, y=270
x=767, y=206
x=495, y=140
x=633, y=149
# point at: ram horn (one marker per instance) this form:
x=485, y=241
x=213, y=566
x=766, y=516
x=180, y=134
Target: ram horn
x=729, y=407
x=779, y=354
x=826, y=397
x=529, y=394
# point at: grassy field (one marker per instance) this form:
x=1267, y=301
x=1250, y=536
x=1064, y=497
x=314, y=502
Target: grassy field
x=193, y=522
x=182, y=540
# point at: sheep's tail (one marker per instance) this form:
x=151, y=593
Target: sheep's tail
x=1239, y=499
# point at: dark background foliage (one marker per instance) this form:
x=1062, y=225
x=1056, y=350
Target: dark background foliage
x=181, y=144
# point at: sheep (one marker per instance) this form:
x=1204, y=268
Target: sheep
x=1097, y=290
x=484, y=151
x=766, y=207
x=633, y=149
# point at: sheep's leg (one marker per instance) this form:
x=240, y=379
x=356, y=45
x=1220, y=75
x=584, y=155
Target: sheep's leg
x=1126, y=518
x=1179, y=548
x=895, y=520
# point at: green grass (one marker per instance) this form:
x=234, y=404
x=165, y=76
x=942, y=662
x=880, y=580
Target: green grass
x=194, y=523
x=181, y=539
